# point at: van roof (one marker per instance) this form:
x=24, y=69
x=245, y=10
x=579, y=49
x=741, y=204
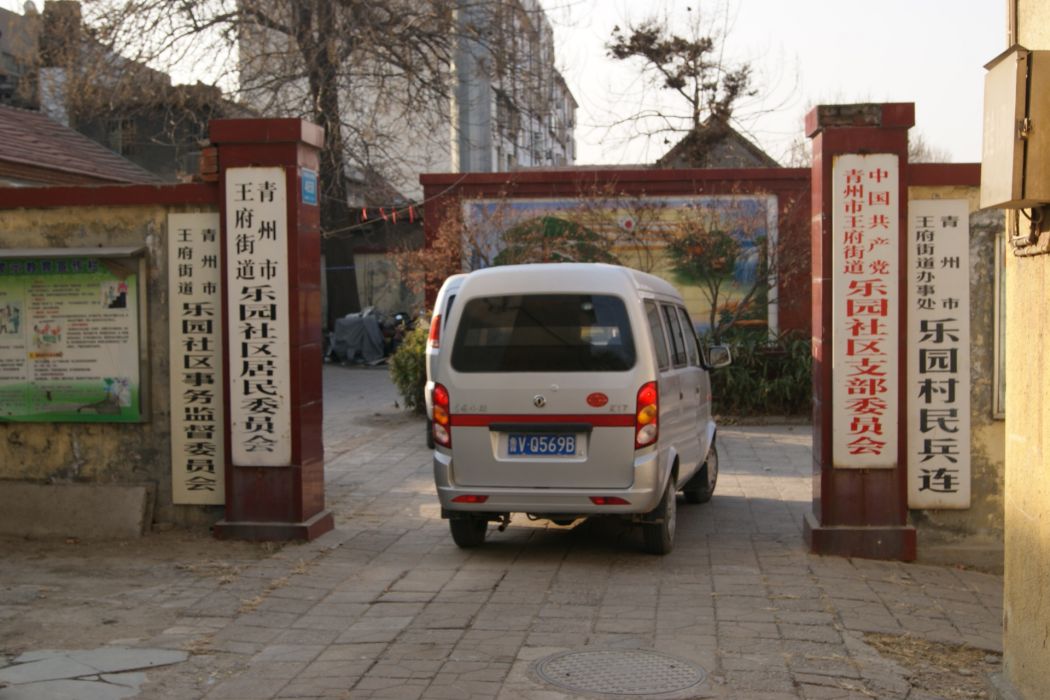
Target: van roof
x=567, y=277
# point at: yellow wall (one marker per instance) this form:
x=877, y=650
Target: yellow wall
x=1027, y=509
x=108, y=453
x=1026, y=623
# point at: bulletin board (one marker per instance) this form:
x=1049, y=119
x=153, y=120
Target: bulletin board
x=71, y=335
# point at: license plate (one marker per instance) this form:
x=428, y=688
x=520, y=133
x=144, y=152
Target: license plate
x=533, y=445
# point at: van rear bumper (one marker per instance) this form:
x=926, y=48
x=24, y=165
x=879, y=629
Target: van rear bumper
x=642, y=496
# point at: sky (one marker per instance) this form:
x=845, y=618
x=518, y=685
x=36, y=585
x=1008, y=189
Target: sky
x=804, y=53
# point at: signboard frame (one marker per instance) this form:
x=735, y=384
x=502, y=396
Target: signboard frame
x=125, y=399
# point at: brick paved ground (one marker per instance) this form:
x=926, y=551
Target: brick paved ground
x=386, y=606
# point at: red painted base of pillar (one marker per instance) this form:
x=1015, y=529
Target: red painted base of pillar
x=275, y=531
x=896, y=543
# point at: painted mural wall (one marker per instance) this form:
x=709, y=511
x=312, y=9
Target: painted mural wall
x=718, y=250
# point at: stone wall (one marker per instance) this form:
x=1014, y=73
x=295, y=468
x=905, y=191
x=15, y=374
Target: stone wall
x=93, y=454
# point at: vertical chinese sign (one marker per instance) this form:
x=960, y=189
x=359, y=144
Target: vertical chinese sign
x=195, y=317
x=865, y=310
x=939, y=354
x=257, y=301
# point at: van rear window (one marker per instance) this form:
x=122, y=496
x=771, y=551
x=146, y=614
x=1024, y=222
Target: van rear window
x=544, y=333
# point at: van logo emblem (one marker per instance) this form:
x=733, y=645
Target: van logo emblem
x=538, y=401
x=597, y=399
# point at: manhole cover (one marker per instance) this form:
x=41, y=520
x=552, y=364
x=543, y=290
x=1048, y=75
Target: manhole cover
x=619, y=672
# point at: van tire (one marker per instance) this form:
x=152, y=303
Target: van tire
x=468, y=532
x=659, y=536
x=701, y=487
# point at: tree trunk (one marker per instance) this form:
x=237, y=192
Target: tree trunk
x=318, y=43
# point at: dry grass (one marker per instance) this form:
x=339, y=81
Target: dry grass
x=949, y=671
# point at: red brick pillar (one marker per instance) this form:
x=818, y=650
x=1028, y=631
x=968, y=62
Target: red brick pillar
x=272, y=317
x=859, y=189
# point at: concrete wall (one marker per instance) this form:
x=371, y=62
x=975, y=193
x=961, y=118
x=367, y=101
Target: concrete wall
x=974, y=537
x=95, y=454
x=1026, y=614
x=1026, y=609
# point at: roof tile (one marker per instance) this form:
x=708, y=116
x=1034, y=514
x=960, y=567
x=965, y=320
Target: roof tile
x=32, y=138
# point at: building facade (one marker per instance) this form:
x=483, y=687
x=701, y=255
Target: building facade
x=1026, y=252
x=49, y=63
x=507, y=105
x=511, y=107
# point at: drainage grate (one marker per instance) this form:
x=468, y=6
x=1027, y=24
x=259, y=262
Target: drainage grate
x=619, y=672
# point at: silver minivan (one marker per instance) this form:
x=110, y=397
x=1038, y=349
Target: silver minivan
x=446, y=295
x=571, y=390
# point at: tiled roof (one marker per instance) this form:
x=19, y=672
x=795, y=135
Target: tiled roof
x=33, y=143
x=715, y=144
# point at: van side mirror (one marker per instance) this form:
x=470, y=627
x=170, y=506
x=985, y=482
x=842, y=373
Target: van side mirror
x=718, y=356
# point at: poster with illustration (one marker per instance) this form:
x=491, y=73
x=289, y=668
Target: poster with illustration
x=69, y=340
x=713, y=248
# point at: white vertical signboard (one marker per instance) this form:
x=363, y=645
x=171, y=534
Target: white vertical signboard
x=939, y=354
x=259, y=341
x=865, y=310
x=195, y=343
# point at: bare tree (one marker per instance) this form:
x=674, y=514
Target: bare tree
x=366, y=71
x=690, y=65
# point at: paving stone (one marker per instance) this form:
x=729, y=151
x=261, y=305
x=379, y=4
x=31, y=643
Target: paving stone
x=246, y=688
x=67, y=690
x=288, y=652
x=387, y=606
x=45, y=669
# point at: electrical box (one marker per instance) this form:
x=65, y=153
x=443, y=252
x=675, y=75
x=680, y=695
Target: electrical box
x=1015, y=159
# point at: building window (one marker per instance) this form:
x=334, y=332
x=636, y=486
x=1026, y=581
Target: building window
x=123, y=136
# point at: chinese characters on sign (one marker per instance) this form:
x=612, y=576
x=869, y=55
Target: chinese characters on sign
x=195, y=316
x=257, y=300
x=865, y=310
x=939, y=354
x=69, y=339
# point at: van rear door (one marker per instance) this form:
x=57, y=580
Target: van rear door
x=542, y=391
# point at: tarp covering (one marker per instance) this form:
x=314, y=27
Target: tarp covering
x=357, y=338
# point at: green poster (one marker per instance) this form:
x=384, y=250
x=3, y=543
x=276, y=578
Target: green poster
x=69, y=340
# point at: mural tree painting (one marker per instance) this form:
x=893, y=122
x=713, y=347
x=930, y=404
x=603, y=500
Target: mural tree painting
x=553, y=239
x=730, y=266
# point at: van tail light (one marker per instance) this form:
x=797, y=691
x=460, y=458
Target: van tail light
x=470, y=498
x=442, y=416
x=434, y=337
x=609, y=501
x=647, y=416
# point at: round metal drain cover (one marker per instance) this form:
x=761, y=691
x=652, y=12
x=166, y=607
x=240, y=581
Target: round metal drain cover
x=619, y=672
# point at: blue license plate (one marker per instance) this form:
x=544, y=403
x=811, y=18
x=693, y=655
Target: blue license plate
x=533, y=445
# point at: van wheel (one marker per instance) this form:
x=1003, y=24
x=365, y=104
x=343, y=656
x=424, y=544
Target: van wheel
x=468, y=532
x=701, y=487
x=659, y=536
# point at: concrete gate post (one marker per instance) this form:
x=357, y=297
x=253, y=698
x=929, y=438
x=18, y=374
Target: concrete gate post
x=859, y=195
x=272, y=319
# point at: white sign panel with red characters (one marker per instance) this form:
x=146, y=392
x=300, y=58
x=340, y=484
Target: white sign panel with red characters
x=865, y=310
x=939, y=354
x=195, y=343
x=259, y=339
